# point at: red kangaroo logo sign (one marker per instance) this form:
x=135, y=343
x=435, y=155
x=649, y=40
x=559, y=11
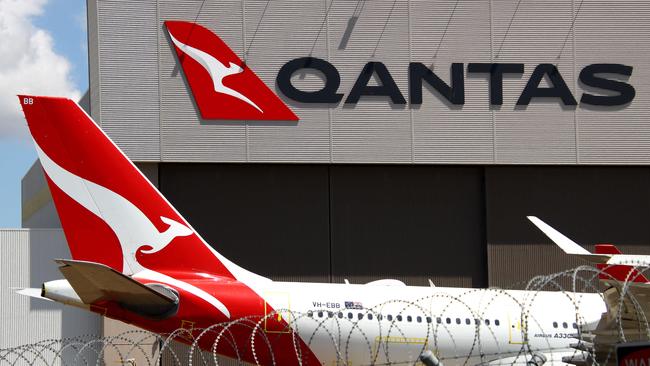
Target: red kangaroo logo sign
x=223, y=86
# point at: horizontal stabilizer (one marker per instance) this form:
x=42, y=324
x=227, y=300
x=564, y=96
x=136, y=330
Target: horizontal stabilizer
x=96, y=282
x=31, y=292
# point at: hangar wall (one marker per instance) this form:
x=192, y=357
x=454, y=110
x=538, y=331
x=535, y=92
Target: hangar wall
x=26, y=261
x=456, y=225
x=142, y=100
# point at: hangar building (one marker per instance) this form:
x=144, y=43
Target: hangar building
x=553, y=122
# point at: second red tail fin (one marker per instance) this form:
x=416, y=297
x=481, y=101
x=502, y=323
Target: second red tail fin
x=618, y=272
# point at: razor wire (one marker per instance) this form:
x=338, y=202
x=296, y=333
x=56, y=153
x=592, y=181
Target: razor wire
x=346, y=338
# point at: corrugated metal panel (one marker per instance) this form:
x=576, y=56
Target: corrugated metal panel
x=616, y=32
x=513, y=265
x=373, y=130
x=544, y=131
x=271, y=41
x=443, y=133
x=26, y=261
x=93, y=60
x=128, y=58
x=531, y=32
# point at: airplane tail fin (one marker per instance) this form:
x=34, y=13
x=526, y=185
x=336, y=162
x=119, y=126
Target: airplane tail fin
x=618, y=272
x=110, y=213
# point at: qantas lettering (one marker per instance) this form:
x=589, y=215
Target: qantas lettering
x=604, y=77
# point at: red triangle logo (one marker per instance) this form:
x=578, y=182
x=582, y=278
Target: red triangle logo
x=222, y=85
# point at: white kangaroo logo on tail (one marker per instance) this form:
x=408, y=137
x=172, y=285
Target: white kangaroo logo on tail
x=131, y=226
x=216, y=69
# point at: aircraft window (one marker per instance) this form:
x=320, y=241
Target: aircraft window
x=399, y=318
x=487, y=321
x=340, y=315
x=429, y=320
x=360, y=316
x=457, y=320
x=575, y=326
x=310, y=313
x=320, y=314
x=565, y=325
x=448, y=320
x=554, y=324
x=496, y=322
x=438, y=320
x=349, y=315
x=409, y=318
x=369, y=316
x=330, y=314
x=467, y=321
x=419, y=319
x=390, y=318
x=477, y=322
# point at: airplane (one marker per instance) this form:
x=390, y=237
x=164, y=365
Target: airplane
x=137, y=260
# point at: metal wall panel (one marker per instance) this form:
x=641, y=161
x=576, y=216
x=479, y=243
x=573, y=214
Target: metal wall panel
x=147, y=107
x=514, y=265
x=271, y=41
x=374, y=130
x=270, y=219
x=544, y=131
x=93, y=60
x=128, y=76
x=410, y=223
x=618, y=33
x=26, y=261
x=440, y=129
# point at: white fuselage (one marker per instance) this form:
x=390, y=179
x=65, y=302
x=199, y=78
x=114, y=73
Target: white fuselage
x=389, y=322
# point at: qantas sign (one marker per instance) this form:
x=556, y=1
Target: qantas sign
x=225, y=88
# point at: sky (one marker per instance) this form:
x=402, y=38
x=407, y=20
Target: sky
x=45, y=52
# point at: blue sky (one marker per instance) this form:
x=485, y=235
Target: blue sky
x=64, y=20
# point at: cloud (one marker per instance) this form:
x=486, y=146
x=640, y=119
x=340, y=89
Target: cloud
x=28, y=64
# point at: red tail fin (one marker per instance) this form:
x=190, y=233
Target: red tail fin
x=110, y=213
x=619, y=272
